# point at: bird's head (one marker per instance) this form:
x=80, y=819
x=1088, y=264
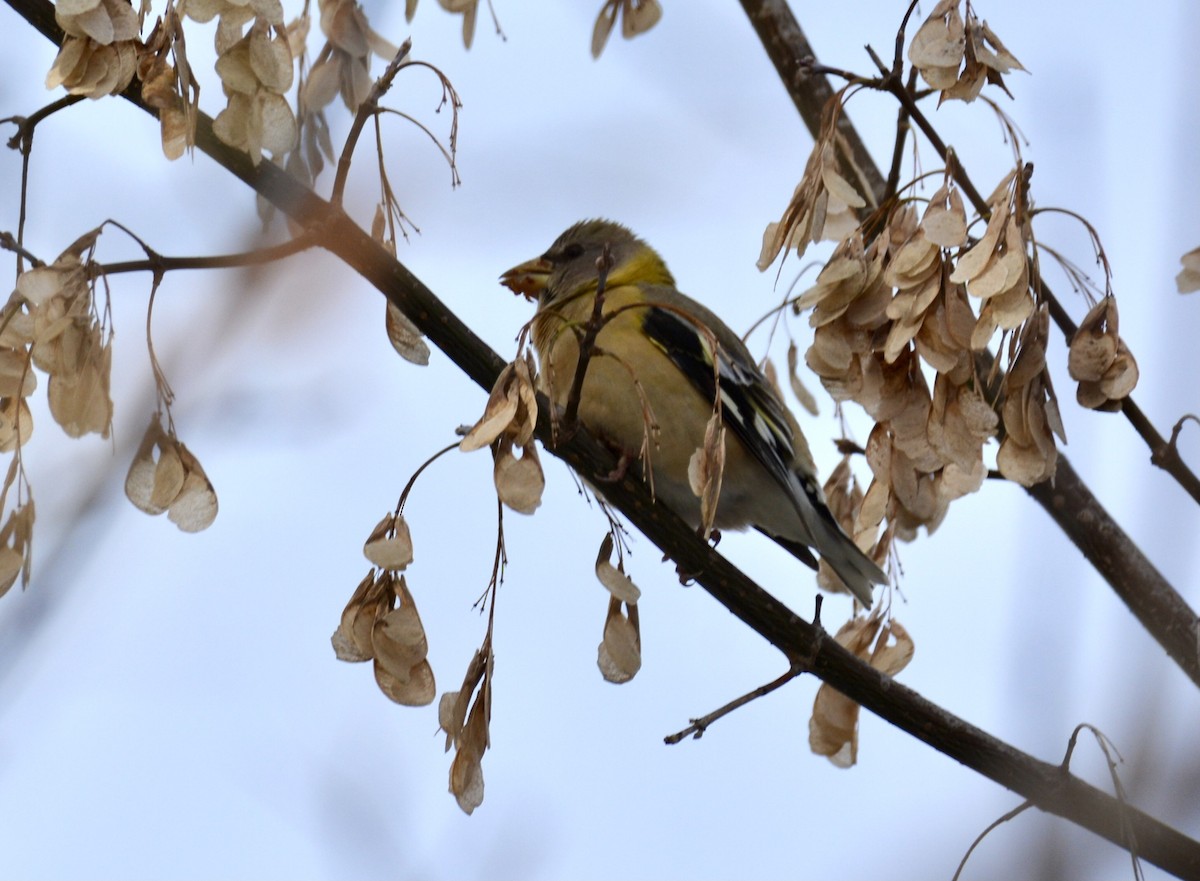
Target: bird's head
x=571, y=266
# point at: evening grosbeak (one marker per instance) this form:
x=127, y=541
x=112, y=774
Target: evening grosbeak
x=656, y=361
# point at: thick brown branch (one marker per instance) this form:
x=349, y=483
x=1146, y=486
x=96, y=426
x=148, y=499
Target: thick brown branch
x=1133, y=578
x=1044, y=784
x=789, y=51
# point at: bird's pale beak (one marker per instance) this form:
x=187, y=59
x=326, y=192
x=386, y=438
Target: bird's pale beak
x=529, y=278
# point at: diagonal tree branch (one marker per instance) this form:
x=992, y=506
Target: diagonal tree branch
x=790, y=52
x=1067, y=499
x=1046, y=785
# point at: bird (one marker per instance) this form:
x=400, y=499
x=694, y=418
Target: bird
x=661, y=361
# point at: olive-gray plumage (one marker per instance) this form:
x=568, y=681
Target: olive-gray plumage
x=661, y=361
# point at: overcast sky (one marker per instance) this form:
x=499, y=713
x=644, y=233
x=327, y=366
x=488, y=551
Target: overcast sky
x=170, y=706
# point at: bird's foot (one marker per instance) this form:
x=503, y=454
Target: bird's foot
x=620, y=469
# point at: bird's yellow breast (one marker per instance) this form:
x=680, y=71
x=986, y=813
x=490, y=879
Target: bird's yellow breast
x=621, y=397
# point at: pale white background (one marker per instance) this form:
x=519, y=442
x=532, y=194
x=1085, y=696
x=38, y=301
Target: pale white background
x=170, y=706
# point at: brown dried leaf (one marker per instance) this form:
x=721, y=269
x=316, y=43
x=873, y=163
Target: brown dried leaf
x=16, y=423
x=1028, y=454
x=832, y=352
x=345, y=25
x=452, y=709
x=511, y=409
x=833, y=726
x=519, y=482
x=16, y=329
x=803, y=395
x=640, y=16
x=1094, y=345
x=175, y=482
x=1089, y=395
x=970, y=82
x=270, y=59
x=997, y=57
x=1026, y=465
x=323, y=82
x=277, y=123
x=637, y=17
x=945, y=220
x=1188, y=279
x=16, y=545
x=41, y=284
x=940, y=41
x=466, y=771
x=468, y=9
x=1030, y=360
x=390, y=544
x=352, y=641
x=498, y=415
x=893, y=650
x=405, y=337
x=142, y=479
x=912, y=262
x=838, y=187
x=873, y=508
x=169, y=475
x=415, y=689
x=452, y=713
x=398, y=638
x=706, y=468
x=976, y=260
x=11, y=563
x=615, y=581
x=177, y=132
x=17, y=379
x=1004, y=272
x=235, y=71
x=195, y=508
x=79, y=394
x=1012, y=307
x=839, y=283
x=619, y=656
x=1121, y=377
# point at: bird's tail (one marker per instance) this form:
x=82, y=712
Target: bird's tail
x=856, y=569
x=826, y=536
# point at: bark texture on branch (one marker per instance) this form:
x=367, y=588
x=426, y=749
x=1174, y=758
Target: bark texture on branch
x=1046, y=785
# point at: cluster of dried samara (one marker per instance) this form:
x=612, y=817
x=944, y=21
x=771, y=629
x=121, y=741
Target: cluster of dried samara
x=257, y=56
x=906, y=308
x=51, y=322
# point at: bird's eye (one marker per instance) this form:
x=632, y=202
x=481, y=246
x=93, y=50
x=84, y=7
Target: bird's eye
x=573, y=250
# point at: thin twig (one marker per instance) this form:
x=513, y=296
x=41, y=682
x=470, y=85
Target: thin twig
x=159, y=263
x=22, y=141
x=587, y=341
x=366, y=110
x=902, y=130
x=699, y=726
x=1107, y=747
x=999, y=821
